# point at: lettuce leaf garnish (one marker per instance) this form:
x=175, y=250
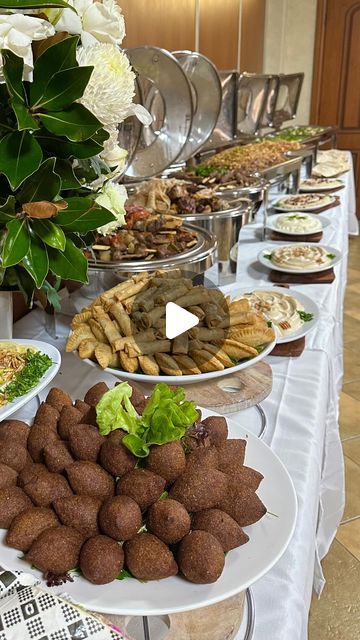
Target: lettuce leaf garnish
x=166, y=417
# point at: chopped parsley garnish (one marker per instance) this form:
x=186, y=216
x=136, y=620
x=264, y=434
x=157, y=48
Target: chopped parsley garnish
x=205, y=170
x=37, y=364
x=296, y=216
x=269, y=323
x=268, y=256
x=306, y=317
x=331, y=256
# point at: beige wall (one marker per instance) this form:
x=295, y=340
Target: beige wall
x=289, y=43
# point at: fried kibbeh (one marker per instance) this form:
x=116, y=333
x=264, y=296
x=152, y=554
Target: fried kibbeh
x=85, y=442
x=231, y=453
x=81, y=406
x=28, y=525
x=80, y=512
x=58, y=398
x=46, y=488
x=47, y=414
x=220, y=525
x=39, y=437
x=242, y=504
x=205, y=457
x=13, y=501
x=29, y=472
x=14, y=455
x=95, y=393
x=14, y=431
x=148, y=558
x=69, y=416
x=8, y=476
x=114, y=457
x=168, y=520
x=137, y=398
x=120, y=518
x=90, y=417
x=143, y=486
x=217, y=429
x=56, y=549
x=101, y=559
x=199, y=489
x=57, y=456
x=246, y=475
x=167, y=460
x=89, y=479
x=200, y=557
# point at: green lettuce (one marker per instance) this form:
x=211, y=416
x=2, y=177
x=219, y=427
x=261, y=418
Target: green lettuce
x=166, y=417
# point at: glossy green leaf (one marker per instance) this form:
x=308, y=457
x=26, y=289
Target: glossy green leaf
x=83, y=215
x=49, y=233
x=20, y=156
x=68, y=179
x=76, y=123
x=16, y=243
x=36, y=261
x=33, y=4
x=64, y=88
x=63, y=148
x=52, y=295
x=59, y=56
x=7, y=210
x=23, y=116
x=44, y=184
x=13, y=71
x=69, y=264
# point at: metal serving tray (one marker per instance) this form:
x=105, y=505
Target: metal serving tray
x=252, y=93
x=288, y=96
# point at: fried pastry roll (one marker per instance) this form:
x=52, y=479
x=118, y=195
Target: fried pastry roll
x=196, y=295
x=253, y=336
x=81, y=332
x=110, y=328
x=87, y=348
x=106, y=357
x=206, y=361
x=238, y=318
x=172, y=293
x=181, y=344
x=120, y=343
x=147, y=320
x=186, y=364
x=237, y=350
x=168, y=364
x=122, y=318
x=149, y=365
x=207, y=335
x=128, y=364
x=147, y=348
x=98, y=331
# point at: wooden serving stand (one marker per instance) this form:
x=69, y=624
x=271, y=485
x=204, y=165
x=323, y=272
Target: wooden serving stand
x=322, y=277
x=310, y=237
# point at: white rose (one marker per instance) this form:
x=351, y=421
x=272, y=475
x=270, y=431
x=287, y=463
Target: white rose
x=94, y=21
x=17, y=32
x=112, y=197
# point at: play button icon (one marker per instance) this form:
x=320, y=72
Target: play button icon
x=178, y=320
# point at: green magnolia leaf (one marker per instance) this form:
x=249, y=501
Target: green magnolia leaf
x=17, y=242
x=59, y=56
x=44, y=184
x=83, y=215
x=69, y=264
x=63, y=148
x=49, y=233
x=64, y=88
x=20, y=156
x=7, y=210
x=100, y=136
x=36, y=261
x=33, y=4
x=23, y=116
x=68, y=179
x=76, y=123
x=52, y=295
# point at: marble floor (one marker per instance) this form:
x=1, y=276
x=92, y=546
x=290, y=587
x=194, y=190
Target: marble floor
x=336, y=615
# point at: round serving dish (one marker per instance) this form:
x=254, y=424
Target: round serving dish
x=245, y=565
x=267, y=262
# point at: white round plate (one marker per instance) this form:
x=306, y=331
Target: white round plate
x=50, y=351
x=187, y=379
x=326, y=186
x=269, y=264
x=271, y=223
x=245, y=565
x=309, y=305
x=327, y=201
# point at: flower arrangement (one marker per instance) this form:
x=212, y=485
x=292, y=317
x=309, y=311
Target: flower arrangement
x=65, y=85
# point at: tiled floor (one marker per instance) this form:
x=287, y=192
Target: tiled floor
x=336, y=616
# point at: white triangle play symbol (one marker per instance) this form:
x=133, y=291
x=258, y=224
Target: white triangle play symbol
x=178, y=320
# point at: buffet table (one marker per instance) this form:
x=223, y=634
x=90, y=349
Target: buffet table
x=302, y=416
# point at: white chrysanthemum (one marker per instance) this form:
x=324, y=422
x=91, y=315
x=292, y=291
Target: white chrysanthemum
x=111, y=87
x=93, y=21
x=113, y=154
x=17, y=32
x=112, y=197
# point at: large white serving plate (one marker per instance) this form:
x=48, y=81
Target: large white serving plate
x=55, y=356
x=326, y=201
x=243, y=566
x=309, y=306
x=272, y=220
x=186, y=379
x=320, y=185
x=270, y=265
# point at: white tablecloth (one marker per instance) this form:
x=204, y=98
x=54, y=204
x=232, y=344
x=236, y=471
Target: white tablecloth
x=302, y=414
